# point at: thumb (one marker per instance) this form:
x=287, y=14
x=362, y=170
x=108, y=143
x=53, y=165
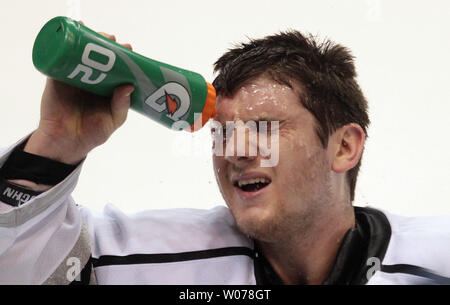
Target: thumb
x=120, y=104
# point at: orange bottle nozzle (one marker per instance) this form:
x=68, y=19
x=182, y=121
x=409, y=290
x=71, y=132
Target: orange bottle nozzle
x=208, y=112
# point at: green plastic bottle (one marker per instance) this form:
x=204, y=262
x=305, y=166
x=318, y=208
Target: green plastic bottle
x=70, y=52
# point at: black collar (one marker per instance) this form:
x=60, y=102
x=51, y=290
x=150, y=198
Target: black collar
x=369, y=238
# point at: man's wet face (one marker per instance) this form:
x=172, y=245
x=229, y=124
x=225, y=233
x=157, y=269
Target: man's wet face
x=268, y=202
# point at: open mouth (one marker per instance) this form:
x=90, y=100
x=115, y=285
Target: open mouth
x=252, y=185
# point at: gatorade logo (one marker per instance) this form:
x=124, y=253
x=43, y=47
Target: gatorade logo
x=171, y=97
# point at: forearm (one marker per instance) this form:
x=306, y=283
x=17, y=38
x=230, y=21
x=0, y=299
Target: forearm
x=57, y=148
x=30, y=185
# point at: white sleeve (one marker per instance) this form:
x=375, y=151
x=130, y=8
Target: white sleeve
x=44, y=240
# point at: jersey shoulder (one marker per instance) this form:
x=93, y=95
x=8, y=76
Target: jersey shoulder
x=418, y=245
x=163, y=231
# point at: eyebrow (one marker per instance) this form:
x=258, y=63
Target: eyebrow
x=224, y=125
x=255, y=119
x=268, y=119
x=265, y=119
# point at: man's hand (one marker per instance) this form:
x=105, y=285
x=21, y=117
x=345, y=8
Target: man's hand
x=73, y=121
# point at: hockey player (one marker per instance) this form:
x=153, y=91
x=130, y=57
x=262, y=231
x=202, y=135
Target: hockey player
x=292, y=222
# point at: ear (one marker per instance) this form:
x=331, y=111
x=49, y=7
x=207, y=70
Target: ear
x=348, y=145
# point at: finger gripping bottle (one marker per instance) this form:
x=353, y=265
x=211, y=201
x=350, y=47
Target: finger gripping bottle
x=69, y=52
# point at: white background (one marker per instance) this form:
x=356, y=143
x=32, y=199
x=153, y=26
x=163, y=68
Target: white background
x=402, y=56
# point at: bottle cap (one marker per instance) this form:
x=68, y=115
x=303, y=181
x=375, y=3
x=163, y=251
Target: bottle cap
x=209, y=110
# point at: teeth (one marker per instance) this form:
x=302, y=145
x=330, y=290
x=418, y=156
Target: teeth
x=252, y=181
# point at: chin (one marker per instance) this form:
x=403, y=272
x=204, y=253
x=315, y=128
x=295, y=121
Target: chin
x=256, y=223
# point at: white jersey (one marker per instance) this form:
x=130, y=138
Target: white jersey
x=49, y=239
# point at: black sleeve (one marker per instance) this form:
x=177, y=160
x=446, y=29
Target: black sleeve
x=23, y=165
x=41, y=170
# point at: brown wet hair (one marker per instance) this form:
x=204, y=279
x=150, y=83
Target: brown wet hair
x=325, y=70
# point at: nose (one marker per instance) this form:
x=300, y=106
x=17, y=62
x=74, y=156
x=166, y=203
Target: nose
x=241, y=149
x=241, y=161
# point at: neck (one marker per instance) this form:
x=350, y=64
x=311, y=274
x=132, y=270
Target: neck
x=307, y=257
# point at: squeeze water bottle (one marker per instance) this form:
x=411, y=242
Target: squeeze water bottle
x=70, y=52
